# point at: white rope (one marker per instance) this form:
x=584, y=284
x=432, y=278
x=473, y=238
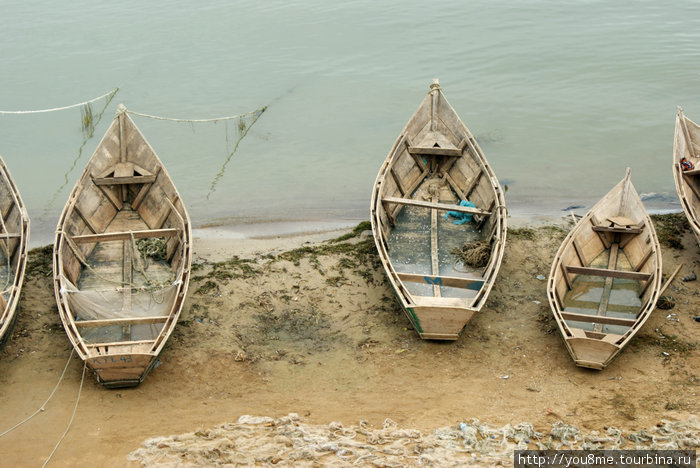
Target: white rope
x=75, y=410
x=231, y=117
x=109, y=94
x=47, y=400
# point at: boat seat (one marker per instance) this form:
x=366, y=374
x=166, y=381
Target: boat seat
x=435, y=206
x=124, y=235
x=121, y=321
x=632, y=275
x=125, y=173
x=618, y=224
x=474, y=284
x=437, y=143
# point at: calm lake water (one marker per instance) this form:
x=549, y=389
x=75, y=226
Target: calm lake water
x=561, y=95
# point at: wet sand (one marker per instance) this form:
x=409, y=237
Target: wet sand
x=298, y=325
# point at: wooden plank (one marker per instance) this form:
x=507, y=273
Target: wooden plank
x=579, y=252
x=621, y=230
x=686, y=134
x=454, y=186
x=597, y=319
x=435, y=206
x=125, y=235
x=117, y=343
x=607, y=288
x=127, y=279
x=447, y=281
x=565, y=274
x=121, y=321
x=623, y=195
x=646, y=257
x=419, y=150
x=123, y=169
x=632, y=275
x=693, y=188
x=85, y=219
x=164, y=217
x=7, y=235
x=145, y=188
x=397, y=179
x=691, y=173
x=116, y=202
x=434, y=245
x=649, y=281
x=145, y=179
x=473, y=184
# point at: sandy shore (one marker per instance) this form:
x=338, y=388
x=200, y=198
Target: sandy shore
x=296, y=324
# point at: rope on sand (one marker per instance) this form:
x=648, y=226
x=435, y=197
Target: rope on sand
x=42, y=407
x=80, y=104
x=75, y=410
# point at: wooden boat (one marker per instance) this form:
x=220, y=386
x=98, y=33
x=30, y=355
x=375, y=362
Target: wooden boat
x=119, y=305
x=606, y=277
x=435, y=164
x=14, y=239
x=687, y=145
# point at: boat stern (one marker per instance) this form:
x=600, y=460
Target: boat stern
x=121, y=370
x=436, y=322
x=592, y=353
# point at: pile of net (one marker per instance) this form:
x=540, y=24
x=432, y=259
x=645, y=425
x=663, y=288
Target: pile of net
x=475, y=254
x=154, y=247
x=289, y=442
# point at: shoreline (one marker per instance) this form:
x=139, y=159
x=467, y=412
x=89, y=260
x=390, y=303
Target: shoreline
x=269, y=329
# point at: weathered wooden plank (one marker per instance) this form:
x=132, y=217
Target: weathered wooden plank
x=448, y=281
x=121, y=321
x=118, y=343
x=621, y=230
x=435, y=206
x=607, y=287
x=145, y=179
x=126, y=235
x=632, y=275
x=598, y=319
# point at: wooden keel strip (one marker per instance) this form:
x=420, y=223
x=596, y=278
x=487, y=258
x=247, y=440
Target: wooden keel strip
x=434, y=247
x=607, y=288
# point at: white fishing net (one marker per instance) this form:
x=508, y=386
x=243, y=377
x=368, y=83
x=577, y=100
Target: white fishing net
x=289, y=442
x=110, y=303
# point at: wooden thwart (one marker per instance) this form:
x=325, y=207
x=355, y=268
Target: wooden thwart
x=622, y=230
x=121, y=321
x=632, y=275
x=115, y=236
x=601, y=319
x=449, y=281
x=435, y=206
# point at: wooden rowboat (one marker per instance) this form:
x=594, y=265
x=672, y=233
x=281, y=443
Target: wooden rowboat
x=606, y=277
x=119, y=302
x=14, y=239
x=434, y=164
x=687, y=145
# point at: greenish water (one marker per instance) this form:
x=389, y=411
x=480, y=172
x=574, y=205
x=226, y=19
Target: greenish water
x=561, y=95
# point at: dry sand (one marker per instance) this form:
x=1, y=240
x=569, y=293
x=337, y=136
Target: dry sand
x=318, y=332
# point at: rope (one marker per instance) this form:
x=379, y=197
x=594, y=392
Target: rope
x=231, y=117
x=109, y=94
x=47, y=400
x=75, y=410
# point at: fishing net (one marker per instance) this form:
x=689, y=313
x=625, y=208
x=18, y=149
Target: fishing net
x=289, y=442
x=110, y=304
